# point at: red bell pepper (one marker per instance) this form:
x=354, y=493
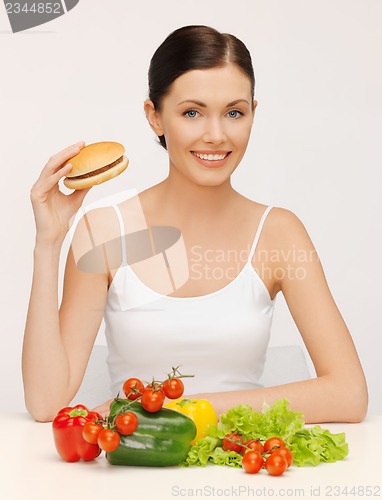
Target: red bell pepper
x=67, y=432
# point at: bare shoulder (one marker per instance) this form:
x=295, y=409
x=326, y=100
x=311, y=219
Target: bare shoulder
x=283, y=218
x=96, y=226
x=284, y=229
x=95, y=244
x=285, y=246
x=281, y=225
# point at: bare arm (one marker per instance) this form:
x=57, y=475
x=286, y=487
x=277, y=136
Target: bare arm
x=43, y=354
x=339, y=392
x=57, y=345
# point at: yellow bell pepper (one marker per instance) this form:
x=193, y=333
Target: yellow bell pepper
x=200, y=411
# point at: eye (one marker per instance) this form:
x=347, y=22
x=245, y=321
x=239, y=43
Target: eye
x=235, y=113
x=191, y=113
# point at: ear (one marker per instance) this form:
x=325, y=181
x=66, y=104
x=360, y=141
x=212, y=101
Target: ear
x=153, y=117
x=255, y=103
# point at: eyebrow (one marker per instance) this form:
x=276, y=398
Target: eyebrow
x=203, y=105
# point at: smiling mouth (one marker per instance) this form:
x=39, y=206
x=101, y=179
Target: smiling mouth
x=211, y=157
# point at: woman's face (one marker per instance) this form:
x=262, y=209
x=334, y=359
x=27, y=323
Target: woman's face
x=206, y=119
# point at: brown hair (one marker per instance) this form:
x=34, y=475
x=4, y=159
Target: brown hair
x=194, y=47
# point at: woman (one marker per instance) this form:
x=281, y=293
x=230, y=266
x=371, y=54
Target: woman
x=216, y=325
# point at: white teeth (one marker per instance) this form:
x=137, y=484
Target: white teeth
x=210, y=157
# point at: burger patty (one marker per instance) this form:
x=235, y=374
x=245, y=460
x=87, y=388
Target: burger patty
x=98, y=171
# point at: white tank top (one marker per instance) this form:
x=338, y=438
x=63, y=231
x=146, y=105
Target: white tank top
x=221, y=338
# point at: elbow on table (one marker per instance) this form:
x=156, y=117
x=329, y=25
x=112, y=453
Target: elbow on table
x=43, y=412
x=40, y=415
x=356, y=401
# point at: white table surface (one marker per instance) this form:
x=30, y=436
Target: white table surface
x=31, y=469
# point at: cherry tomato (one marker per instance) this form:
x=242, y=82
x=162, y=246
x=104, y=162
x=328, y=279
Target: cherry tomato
x=233, y=442
x=126, y=423
x=273, y=442
x=252, y=462
x=173, y=388
x=276, y=464
x=286, y=453
x=254, y=444
x=108, y=440
x=90, y=432
x=152, y=400
x=133, y=388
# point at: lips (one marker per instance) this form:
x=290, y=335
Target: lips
x=211, y=159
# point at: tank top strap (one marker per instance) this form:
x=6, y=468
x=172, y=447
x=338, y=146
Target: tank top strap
x=123, y=238
x=258, y=232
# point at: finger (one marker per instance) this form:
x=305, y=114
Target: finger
x=104, y=414
x=103, y=406
x=103, y=409
x=45, y=184
x=67, y=150
x=57, y=160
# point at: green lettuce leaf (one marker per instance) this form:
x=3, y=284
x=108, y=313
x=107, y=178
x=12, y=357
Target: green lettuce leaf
x=208, y=449
x=275, y=420
x=310, y=446
x=315, y=445
x=202, y=450
x=221, y=457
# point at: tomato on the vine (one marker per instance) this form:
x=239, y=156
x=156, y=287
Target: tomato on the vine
x=90, y=432
x=276, y=464
x=108, y=440
x=286, y=453
x=152, y=400
x=133, y=388
x=273, y=442
x=233, y=442
x=126, y=423
x=254, y=444
x=252, y=462
x=173, y=388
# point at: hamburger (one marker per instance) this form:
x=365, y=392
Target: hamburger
x=96, y=163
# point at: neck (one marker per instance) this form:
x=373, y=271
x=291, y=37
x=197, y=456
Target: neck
x=183, y=197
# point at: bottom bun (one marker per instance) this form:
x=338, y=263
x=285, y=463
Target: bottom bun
x=93, y=180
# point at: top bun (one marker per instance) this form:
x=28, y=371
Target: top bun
x=95, y=156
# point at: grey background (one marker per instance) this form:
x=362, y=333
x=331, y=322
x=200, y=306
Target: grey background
x=314, y=147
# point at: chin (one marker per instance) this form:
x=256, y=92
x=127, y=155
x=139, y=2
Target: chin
x=210, y=180
x=214, y=183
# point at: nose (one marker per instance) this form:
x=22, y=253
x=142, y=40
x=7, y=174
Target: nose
x=214, y=132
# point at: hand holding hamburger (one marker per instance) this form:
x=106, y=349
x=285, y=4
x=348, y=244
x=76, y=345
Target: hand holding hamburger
x=96, y=163
x=81, y=167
